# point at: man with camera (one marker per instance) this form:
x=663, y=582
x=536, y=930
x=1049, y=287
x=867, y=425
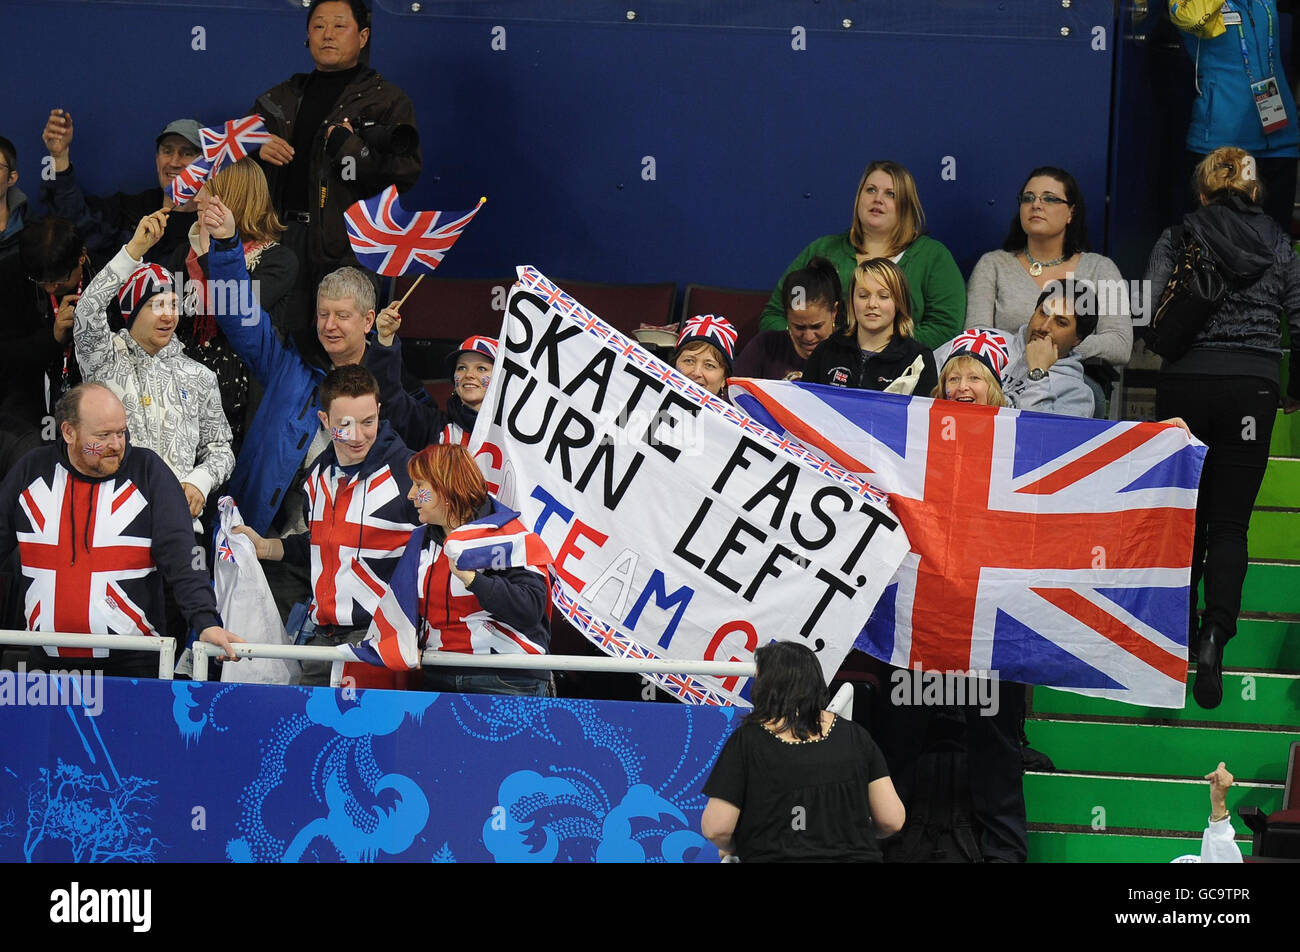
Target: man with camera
x=340, y=133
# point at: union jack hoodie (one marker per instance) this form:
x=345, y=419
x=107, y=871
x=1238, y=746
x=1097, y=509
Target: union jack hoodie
x=358, y=523
x=95, y=551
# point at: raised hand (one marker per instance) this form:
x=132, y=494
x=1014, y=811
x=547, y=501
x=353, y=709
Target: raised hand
x=57, y=136
x=63, y=317
x=218, y=219
x=147, y=234
x=387, y=323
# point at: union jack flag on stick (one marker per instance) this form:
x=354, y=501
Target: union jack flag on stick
x=390, y=241
x=230, y=143
x=185, y=186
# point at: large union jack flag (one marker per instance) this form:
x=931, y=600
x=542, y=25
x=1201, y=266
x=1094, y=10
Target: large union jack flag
x=389, y=240
x=78, y=554
x=350, y=542
x=231, y=141
x=1052, y=550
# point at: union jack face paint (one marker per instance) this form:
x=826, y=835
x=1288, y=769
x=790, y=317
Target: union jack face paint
x=423, y=497
x=93, y=448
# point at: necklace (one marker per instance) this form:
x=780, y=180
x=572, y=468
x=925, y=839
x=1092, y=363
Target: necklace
x=1036, y=267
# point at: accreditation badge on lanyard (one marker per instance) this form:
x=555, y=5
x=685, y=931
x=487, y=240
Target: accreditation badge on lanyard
x=1268, y=96
x=1272, y=114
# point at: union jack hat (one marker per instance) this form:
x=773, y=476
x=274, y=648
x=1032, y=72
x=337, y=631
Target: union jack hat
x=718, y=331
x=989, y=347
x=144, y=283
x=478, y=344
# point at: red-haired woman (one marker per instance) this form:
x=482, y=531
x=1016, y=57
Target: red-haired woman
x=480, y=579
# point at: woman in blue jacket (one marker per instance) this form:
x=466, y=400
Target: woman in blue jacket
x=1243, y=98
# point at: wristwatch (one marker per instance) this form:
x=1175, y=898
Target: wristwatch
x=1037, y=374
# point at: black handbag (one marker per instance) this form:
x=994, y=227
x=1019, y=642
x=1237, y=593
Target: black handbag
x=1192, y=296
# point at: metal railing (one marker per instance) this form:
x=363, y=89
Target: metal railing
x=166, y=647
x=450, y=659
x=842, y=703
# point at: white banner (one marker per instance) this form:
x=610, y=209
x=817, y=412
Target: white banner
x=680, y=528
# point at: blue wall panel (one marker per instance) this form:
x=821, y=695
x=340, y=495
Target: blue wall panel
x=757, y=146
x=186, y=771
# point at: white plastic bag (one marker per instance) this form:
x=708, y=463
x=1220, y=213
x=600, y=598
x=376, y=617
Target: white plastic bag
x=245, y=602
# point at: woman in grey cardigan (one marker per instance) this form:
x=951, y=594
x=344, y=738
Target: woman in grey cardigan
x=1048, y=241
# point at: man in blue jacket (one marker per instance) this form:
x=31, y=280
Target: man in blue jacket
x=286, y=433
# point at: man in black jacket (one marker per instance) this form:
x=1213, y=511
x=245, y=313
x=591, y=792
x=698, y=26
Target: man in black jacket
x=37, y=358
x=99, y=525
x=340, y=133
x=107, y=224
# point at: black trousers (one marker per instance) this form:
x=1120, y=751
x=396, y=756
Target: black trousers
x=1234, y=417
x=994, y=758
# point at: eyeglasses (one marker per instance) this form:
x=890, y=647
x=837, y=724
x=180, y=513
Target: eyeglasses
x=1028, y=198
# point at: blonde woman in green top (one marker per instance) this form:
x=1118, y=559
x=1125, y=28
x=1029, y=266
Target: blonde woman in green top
x=888, y=222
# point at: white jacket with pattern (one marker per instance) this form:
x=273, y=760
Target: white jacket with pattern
x=172, y=402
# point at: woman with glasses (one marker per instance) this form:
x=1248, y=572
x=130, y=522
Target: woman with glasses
x=888, y=222
x=1048, y=241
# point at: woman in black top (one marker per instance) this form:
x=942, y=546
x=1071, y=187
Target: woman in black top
x=1227, y=386
x=795, y=783
x=876, y=349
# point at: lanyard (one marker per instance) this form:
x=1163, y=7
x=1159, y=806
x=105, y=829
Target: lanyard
x=1241, y=39
x=67, y=348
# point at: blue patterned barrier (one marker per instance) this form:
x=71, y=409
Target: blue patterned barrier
x=187, y=771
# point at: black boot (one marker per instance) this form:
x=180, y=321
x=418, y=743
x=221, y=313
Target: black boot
x=1208, y=689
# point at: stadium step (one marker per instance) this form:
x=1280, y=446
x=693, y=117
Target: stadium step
x=1163, y=750
x=1274, y=535
x=1055, y=846
x=1281, y=487
x=1263, y=699
x=1130, y=805
x=1272, y=588
x=1286, y=435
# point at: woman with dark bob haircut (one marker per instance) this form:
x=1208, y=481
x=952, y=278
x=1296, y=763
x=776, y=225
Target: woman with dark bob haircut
x=1048, y=241
x=796, y=783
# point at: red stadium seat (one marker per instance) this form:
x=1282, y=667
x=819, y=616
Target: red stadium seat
x=625, y=306
x=451, y=308
x=742, y=308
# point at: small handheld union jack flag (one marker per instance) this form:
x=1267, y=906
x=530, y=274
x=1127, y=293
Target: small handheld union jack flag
x=186, y=185
x=231, y=142
x=389, y=240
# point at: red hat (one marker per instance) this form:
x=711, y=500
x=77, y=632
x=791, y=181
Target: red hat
x=144, y=283
x=478, y=344
x=718, y=331
x=987, y=346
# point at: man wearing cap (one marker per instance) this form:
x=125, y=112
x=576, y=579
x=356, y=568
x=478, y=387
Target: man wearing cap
x=108, y=223
x=421, y=424
x=340, y=133
x=99, y=525
x=173, y=404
